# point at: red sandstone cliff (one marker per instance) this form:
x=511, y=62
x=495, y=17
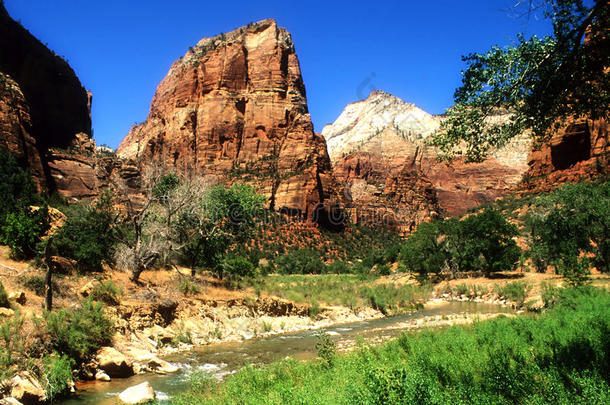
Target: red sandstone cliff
x=43, y=104
x=380, y=156
x=234, y=107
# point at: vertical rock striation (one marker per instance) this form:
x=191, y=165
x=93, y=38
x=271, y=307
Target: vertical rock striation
x=234, y=107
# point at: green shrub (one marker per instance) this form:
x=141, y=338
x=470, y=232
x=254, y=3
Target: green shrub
x=80, y=333
x=22, y=231
x=107, y=292
x=383, y=270
x=425, y=251
x=188, y=288
x=37, y=284
x=237, y=267
x=327, y=349
x=16, y=187
x=88, y=235
x=302, y=261
x=4, y=297
x=11, y=343
x=515, y=291
x=57, y=375
x=337, y=267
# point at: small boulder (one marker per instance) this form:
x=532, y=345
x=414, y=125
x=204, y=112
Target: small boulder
x=162, y=367
x=101, y=376
x=9, y=401
x=87, y=289
x=18, y=297
x=138, y=394
x=114, y=363
x=6, y=312
x=62, y=265
x=27, y=389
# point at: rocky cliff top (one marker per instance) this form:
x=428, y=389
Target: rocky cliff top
x=370, y=122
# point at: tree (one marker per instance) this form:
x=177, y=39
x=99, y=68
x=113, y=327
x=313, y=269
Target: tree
x=483, y=242
x=146, y=229
x=425, y=251
x=88, y=236
x=538, y=84
x=569, y=223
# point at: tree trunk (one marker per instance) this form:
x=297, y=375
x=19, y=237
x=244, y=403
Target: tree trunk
x=49, y=288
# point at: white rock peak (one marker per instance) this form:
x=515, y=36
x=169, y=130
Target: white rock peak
x=381, y=115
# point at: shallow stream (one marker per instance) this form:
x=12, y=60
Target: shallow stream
x=219, y=360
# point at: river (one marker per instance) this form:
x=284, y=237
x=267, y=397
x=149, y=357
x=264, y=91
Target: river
x=221, y=359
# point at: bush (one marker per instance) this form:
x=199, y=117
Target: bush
x=57, y=374
x=87, y=236
x=515, y=291
x=4, y=297
x=237, y=267
x=188, y=288
x=22, y=231
x=337, y=267
x=300, y=262
x=37, y=284
x=107, y=292
x=327, y=349
x=79, y=334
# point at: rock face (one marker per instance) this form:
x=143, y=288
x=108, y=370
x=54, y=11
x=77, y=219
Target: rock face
x=234, y=107
x=389, y=174
x=138, y=394
x=42, y=103
x=580, y=150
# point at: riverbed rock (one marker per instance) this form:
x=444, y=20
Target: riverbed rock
x=138, y=394
x=18, y=297
x=102, y=376
x=162, y=367
x=10, y=401
x=114, y=363
x=27, y=389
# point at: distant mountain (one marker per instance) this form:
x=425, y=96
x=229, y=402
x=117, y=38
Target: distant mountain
x=379, y=154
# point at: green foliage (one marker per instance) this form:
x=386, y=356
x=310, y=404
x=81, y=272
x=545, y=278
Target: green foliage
x=301, y=261
x=88, y=235
x=516, y=291
x=188, y=288
x=12, y=344
x=16, y=186
x=573, y=220
x=163, y=189
x=4, y=297
x=22, y=231
x=481, y=242
x=80, y=333
x=425, y=251
x=56, y=375
x=327, y=349
x=37, y=284
x=560, y=356
x=541, y=82
x=107, y=292
x=237, y=267
x=337, y=267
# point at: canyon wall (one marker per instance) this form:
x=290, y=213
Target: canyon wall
x=234, y=108
x=389, y=174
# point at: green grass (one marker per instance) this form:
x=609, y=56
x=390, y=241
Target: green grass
x=559, y=357
x=346, y=290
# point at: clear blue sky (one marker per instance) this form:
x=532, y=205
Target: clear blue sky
x=121, y=49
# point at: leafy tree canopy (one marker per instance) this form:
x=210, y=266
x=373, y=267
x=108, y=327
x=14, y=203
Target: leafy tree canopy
x=538, y=83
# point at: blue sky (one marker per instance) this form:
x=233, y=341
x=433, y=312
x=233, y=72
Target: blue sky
x=122, y=49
